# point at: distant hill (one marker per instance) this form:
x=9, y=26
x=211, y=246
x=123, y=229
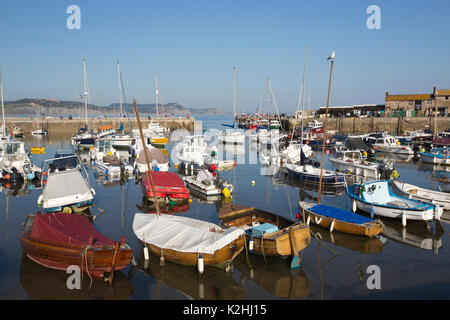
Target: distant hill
x=54, y=107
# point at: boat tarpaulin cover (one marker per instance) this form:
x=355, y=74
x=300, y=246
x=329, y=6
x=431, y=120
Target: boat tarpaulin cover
x=153, y=154
x=63, y=184
x=163, y=179
x=339, y=214
x=68, y=229
x=182, y=234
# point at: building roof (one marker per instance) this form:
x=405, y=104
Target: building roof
x=408, y=97
x=442, y=92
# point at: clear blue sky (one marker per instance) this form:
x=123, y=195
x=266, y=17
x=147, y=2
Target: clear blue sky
x=193, y=45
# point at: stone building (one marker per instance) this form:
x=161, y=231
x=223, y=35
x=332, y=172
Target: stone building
x=419, y=105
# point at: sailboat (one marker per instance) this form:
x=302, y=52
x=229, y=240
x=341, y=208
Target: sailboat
x=3, y=135
x=39, y=130
x=233, y=135
x=336, y=219
x=121, y=140
x=84, y=138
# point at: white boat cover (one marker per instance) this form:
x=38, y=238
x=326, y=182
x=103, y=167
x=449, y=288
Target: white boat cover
x=62, y=186
x=182, y=234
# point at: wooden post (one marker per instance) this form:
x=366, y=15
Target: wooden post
x=149, y=171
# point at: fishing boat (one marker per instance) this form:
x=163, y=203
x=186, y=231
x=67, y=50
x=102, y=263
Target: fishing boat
x=267, y=233
x=208, y=184
x=426, y=195
x=352, y=161
x=192, y=151
x=39, y=132
x=60, y=240
x=66, y=185
x=188, y=241
x=310, y=172
x=15, y=164
x=105, y=131
x=275, y=124
x=113, y=168
x=101, y=148
x=337, y=219
x=168, y=185
x=390, y=144
x=377, y=198
x=436, y=156
x=315, y=124
x=17, y=131
x=158, y=161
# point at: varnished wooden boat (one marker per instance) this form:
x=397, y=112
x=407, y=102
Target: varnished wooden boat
x=183, y=240
x=276, y=241
x=340, y=220
x=59, y=240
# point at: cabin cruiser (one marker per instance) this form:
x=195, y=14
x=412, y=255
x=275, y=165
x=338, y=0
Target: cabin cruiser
x=315, y=125
x=101, y=148
x=15, y=163
x=83, y=139
x=389, y=143
x=66, y=185
x=157, y=160
x=352, y=161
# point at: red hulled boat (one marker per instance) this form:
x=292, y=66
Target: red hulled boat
x=168, y=185
x=59, y=240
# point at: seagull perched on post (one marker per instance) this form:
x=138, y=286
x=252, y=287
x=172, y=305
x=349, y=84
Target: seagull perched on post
x=332, y=56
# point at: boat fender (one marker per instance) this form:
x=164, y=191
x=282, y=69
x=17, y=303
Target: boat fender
x=39, y=201
x=93, y=191
x=146, y=255
x=250, y=244
x=252, y=273
x=437, y=215
x=318, y=221
x=161, y=259
x=354, y=206
x=93, y=163
x=308, y=220
x=371, y=212
x=200, y=264
x=226, y=192
x=332, y=226
x=404, y=219
x=106, y=171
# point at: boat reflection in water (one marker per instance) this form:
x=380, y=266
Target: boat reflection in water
x=19, y=188
x=416, y=234
x=48, y=284
x=352, y=242
x=213, y=284
x=399, y=158
x=274, y=275
x=166, y=208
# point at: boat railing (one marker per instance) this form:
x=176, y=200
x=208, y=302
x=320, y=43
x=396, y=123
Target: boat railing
x=79, y=165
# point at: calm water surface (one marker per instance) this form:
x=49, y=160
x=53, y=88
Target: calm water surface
x=413, y=263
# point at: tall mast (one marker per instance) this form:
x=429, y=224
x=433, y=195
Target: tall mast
x=85, y=92
x=331, y=58
x=3, y=106
x=120, y=91
x=303, y=95
x=234, y=96
x=156, y=95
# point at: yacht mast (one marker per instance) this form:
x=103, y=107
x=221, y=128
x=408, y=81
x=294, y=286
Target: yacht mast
x=85, y=92
x=234, y=96
x=156, y=95
x=120, y=91
x=3, y=106
x=303, y=94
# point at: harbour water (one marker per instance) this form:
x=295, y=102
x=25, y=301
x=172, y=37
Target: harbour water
x=413, y=262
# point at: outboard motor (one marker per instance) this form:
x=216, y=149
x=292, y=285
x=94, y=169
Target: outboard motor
x=386, y=170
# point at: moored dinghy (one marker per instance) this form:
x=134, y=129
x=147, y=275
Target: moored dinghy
x=422, y=194
x=376, y=197
x=267, y=233
x=60, y=240
x=337, y=219
x=188, y=241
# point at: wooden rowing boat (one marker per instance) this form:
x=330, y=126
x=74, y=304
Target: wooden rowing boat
x=271, y=234
x=422, y=194
x=337, y=219
x=59, y=240
x=183, y=240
